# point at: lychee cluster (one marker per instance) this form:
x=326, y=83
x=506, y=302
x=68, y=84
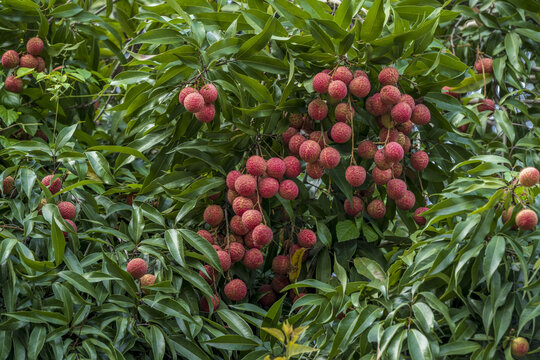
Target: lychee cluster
x=138, y=269
x=200, y=102
x=67, y=210
x=11, y=60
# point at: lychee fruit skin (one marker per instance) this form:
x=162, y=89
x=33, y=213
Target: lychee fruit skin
x=137, y=268
x=288, y=190
x=256, y=165
x=359, y=73
x=329, y=157
x=390, y=94
x=419, y=160
x=73, y=226
x=253, y=259
x=269, y=296
x=418, y=218
x=407, y=201
x=213, y=215
x=235, y=290
x=67, y=210
x=356, y=208
x=203, y=305
x=209, y=93
x=194, y=102
x=321, y=82
x=280, y=265
x=288, y=134
x=421, y=115
x=381, y=177
x=8, y=185
x=295, y=143
x=185, y=92
x=360, y=86
x=408, y=99
x=486, y=105
x=276, y=168
x=224, y=259
x=376, y=209
x=236, y=251
x=34, y=46
x=337, y=89
x=344, y=112
x=401, y=112
x=41, y=68
x=210, y=278
x=279, y=282
x=355, y=175
x=317, y=109
x=55, y=186
x=405, y=127
x=341, y=132
x=13, y=84
x=395, y=189
x=296, y=120
x=28, y=61
x=10, y=59
x=268, y=187
x=237, y=226
x=315, y=170
x=206, y=234
x=388, y=76
x=393, y=152
x=207, y=113
x=245, y=185
x=381, y=161
x=251, y=219
x=231, y=178
x=262, y=235
x=309, y=151
x=397, y=169
x=375, y=106
x=529, y=176
x=242, y=204
x=507, y=214
x=343, y=74
x=519, y=347
x=293, y=168
x=320, y=138
x=484, y=65
x=147, y=280
x=367, y=149
x=526, y=219
x=307, y=238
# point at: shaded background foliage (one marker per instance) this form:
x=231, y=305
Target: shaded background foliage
x=457, y=288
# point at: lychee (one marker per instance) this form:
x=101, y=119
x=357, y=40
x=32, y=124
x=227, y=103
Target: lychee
x=329, y=157
x=360, y=86
x=421, y=115
x=359, y=73
x=235, y=290
x=224, y=259
x=209, y=93
x=507, y=214
x=203, y=305
x=213, y=215
x=390, y=94
x=28, y=61
x=8, y=185
x=387, y=135
x=317, y=109
x=319, y=137
x=419, y=160
x=321, y=82
x=67, y=210
x=309, y=151
x=13, y=84
x=341, y=132
x=41, y=68
x=484, y=65
x=375, y=106
x=405, y=127
x=231, y=195
x=388, y=76
x=256, y=165
x=55, y=186
x=343, y=74
x=396, y=188
x=393, y=152
x=526, y=219
x=307, y=238
x=236, y=251
x=268, y=295
x=337, y=89
x=34, y=46
x=529, y=177
x=73, y=226
x=262, y=235
x=280, y=265
x=486, y=105
x=231, y=178
x=296, y=120
x=147, y=280
x=268, y=187
x=206, y=114
x=344, y=112
x=241, y=204
x=288, y=134
x=248, y=240
x=381, y=161
x=355, y=175
x=293, y=167
x=381, y=177
x=397, y=169
x=185, y=92
x=356, y=208
x=295, y=143
x=315, y=170
x=519, y=347
x=245, y=185
x=251, y=219
x=275, y=167
x=418, y=218
x=376, y=209
x=194, y=102
x=406, y=202
x=137, y=268
x=10, y=59
x=288, y=190
x=209, y=276
x=367, y=149
x=279, y=282
x=253, y=259
x=408, y=99
x=237, y=226
x=206, y=234
x=401, y=112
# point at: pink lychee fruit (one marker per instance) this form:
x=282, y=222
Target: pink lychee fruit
x=235, y=290
x=204, y=306
x=262, y=235
x=419, y=160
x=375, y=106
x=10, y=59
x=396, y=188
x=360, y=86
x=28, y=61
x=376, y=209
x=209, y=93
x=519, y=347
x=393, y=152
x=55, y=186
x=276, y=168
x=231, y=178
x=320, y=137
x=280, y=265
x=329, y=157
x=67, y=210
x=241, y=204
x=268, y=187
x=224, y=259
x=390, y=94
x=279, y=282
x=208, y=275
x=367, y=149
x=236, y=251
x=526, y=219
x=484, y=65
x=421, y=115
x=337, y=89
x=295, y=143
x=251, y=219
x=213, y=215
x=185, y=92
x=355, y=175
x=359, y=73
x=406, y=202
x=340, y=132
x=418, y=217
x=288, y=134
x=317, y=109
x=309, y=151
x=344, y=112
x=253, y=259
x=207, y=235
x=293, y=167
x=207, y=113
x=408, y=99
x=137, y=268
x=307, y=238
x=486, y=105
x=256, y=165
x=245, y=185
x=13, y=84
x=34, y=46
x=356, y=208
x=401, y=112
x=296, y=120
x=321, y=82
x=529, y=176
x=194, y=102
x=343, y=74
x=268, y=297
x=315, y=170
x=389, y=76
x=381, y=161
x=288, y=190
x=381, y=177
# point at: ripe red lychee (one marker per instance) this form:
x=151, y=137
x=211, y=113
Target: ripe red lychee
x=8, y=185
x=376, y=209
x=268, y=295
x=329, y=157
x=288, y=134
x=419, y=160
x=137, y=268
x=381, y=177
x=446, y=90
x=211, y=277
x=355, y=175
x=381, y=161
x=337, y=89
x=280, y=265
x=395, y=189
x=256, y=165
x=418, y=217
x=317, y=109
x=248, y=240
x=279, y=282
x=251, y=219
x=213, y=215
x=320, y=138
x=390, y=94
x=293, y=167
x=34, y=46
x=262, y=235
x=526, y=219
x=367, y=149
x=185, y=92
x=484, y=65
x=241, y=204
x=231, y=178
x=375, y=105
x=356, y=208
x=405, y=127
x=73, y=226
x=275, y=167
x=406, y=202
x=307, y=238
x=315, y=170
x=236, y=251
x=529, y=176
x=13, y=84
x=209, y=93
x=224, y=259
x=245, y=185
x=203, y=305
x=486, y=105
x=519, y=347
x=206, y=234
x=253, y=259
x=421, y=115
x=360, y=86
x=235, y=290
x=401, y=112
x=55, y=186
x=309, y=151
x=10, y=59
x=288, y=190
x=207, y=113
x=194, y=102
x=321, y=82
x=343, y=74
x=67, y=210
x=268, y=187
x=237, y=226
x=341, y=132
x=393, y=152
x=408, y=99
x=295, y=143
x=359, y=73
x=388, y=76
x=344, y=112
x=28, y=61
x=147, y=280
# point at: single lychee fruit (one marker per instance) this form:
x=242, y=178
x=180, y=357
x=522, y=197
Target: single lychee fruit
x=343, y=74
x=360, y=86
x=408, y=99
x=390, y=94
x=341, y=132
x=261, y=235
x=279, y=282
x=236, y=251
x=381, y=177
x=507, y=214
x=401, y=112
x=13, y=84
x=421, y=115
x=356, y=208
x=275, y=167
x=209, y=93
x=256, y=165
x=34, y=46
x=268, y=187
x=245, y=185
x=295, y=143
x=211, y=277
x=185, y=92
x=529, y=177
x=137, y=268
x=405, y=127
x=231, y=178
x=280, y=265
x=194, y=102
x=329, y=157
x=242, y=204
x=206, y=234
x=344, y=112
x=55, y=186
x=203, y=305
x=307, y=238
x=393, y=152
x=321, y=82
x=251, y=219
x=367, y=149
x=486, y=105
x=237, y=226
x=464, y=128
x=519, y=347
x=41, y=68
x=293, y=167
x=235, y=290
x=315, y=170
x=359, y=73
x=419, y=160
x=8, y=185
x=396, y=188
x=388, y=76
x=207, y=113
x=253, y=259
x=446, y=90
x=320, y=138
x=288, y=190
x=288, y=134
x=526, y=219
x=355, y=175
x=296, y=120
x=309, y=151
x=380, y=160
x=67, y=210
x=418, y=218
x=213, y=215
x=224, y=259
x=317, y=109
x=337, y=89
x=375, y=106
x=73, y=226
x=406, y=202
x=28, y=61
x=268, y=295
x=376, y=209
x=10, y=59
x=147, y=280
x=484, y=65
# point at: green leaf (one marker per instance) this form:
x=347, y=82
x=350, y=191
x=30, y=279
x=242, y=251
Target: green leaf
x=257, y=42
x=101, y=167
x=120, y=149
x=175, y=245
x=36, y=341
x=512, y=44
x=255, y=88
x=459, y=348
x=346, y=230
x=418, y=345
x=203, y=246
x=64, y=136
x=494, y=254
x=58, y=242
x=374, y=22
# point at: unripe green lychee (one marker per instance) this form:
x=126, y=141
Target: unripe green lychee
x=194, y=102
x=203, y=305
x=34, y=46
x=10, y=59
x=315, y=170
x=321, y=82
x=295, y=143
x=341, y=132
x=209, y=276
x=206, y=114
x=367, y=149
x=401, y=112
x=206, y=234
x=253, y=259
x=356, y=208
x=268, y=297
x=268, y=187
x=137, y=268
x=236, y=251
x=209, y=93
x=360, y=86
x=55, y=186
x=421, y=115
x=147, y=280
x=343, y=74
x=185, y=92
x=393, y=152
x=262, y=235
x=307, y=238
x=529, y=176
x=279, y=282
x=237, y=226
x=13, y=84
x=28, y=61
x=519, y=347
x=376, y=209
x=241, y=204
x=288, y=134
x=395, y=189
x=418, y=217
x=390, y=94
x=375, y=106
x=381, y=177
x=280, y=264
x=245, y=185
x=486, y=105
x=344, y=112
x=355, y=175
x=293, y=167
x=67, y=210
x=329, y=157
x=288, y=190
x=256, y=165
x=8, y=185
x=251, y=219
x=484, y=65
x=317, y=109
x=337, y=89
x=235, y=290
x=389, y=76
x=224, y=259
x=419, y=160
x=526, y=219
x=406, y=202
x=309, y=151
